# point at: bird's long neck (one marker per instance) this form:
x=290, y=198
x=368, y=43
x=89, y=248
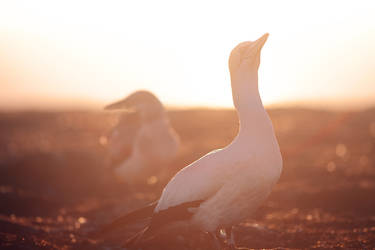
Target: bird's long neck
x=254, y=120
x=154, y=115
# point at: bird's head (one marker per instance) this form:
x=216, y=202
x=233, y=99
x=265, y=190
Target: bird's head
x=244, y=62
x=245, y=58
x=144, y=102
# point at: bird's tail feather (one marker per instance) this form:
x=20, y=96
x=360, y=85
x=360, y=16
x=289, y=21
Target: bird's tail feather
x=139, y=214
x=135, y=239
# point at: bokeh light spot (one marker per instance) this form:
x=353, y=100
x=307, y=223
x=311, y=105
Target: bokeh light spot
x=341, y=150
x=331, y=166
x=152, y=180
x=82, y=220
x=103, y=140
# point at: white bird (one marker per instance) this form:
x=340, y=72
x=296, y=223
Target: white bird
x=225, y=186
x=143, y=141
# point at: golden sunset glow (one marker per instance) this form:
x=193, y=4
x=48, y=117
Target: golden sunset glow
x=139, y=124
x=86, y=54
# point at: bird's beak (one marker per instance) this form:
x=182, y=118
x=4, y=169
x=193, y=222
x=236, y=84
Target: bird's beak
x=123, y=104
x=258, y=44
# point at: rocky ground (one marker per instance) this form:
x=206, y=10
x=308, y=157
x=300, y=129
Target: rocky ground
x=55, y=190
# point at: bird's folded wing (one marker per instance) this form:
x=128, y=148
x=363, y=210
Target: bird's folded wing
x=199, y=181
x=239, y=197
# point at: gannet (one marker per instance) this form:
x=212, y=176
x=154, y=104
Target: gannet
x=224, y=187
x=142, y=142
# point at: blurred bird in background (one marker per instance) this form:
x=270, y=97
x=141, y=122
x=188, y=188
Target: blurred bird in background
x=143, y=141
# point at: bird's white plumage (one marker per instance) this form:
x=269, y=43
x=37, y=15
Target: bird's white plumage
x=154, y=145
x=235, y=180
x=152, y=141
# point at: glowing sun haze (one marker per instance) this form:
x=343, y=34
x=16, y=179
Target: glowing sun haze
x=87, y=53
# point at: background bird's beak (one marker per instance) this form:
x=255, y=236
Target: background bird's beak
x=258, y=44
x=123, y=104
x=115, y=105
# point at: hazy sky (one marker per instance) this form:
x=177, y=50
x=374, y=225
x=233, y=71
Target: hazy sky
x=67, y=53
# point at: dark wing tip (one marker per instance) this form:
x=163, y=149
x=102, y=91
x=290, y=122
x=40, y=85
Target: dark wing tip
x=139, y=214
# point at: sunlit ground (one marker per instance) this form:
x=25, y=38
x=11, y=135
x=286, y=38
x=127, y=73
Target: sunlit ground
x=55, y=189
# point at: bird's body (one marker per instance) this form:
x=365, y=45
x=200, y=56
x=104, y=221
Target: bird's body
x=225, y=186
x=154, y=145
x=121, y=138
x=142, y=143
x=232, y=182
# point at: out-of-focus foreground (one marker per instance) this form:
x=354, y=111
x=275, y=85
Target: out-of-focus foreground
x=54, y=188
